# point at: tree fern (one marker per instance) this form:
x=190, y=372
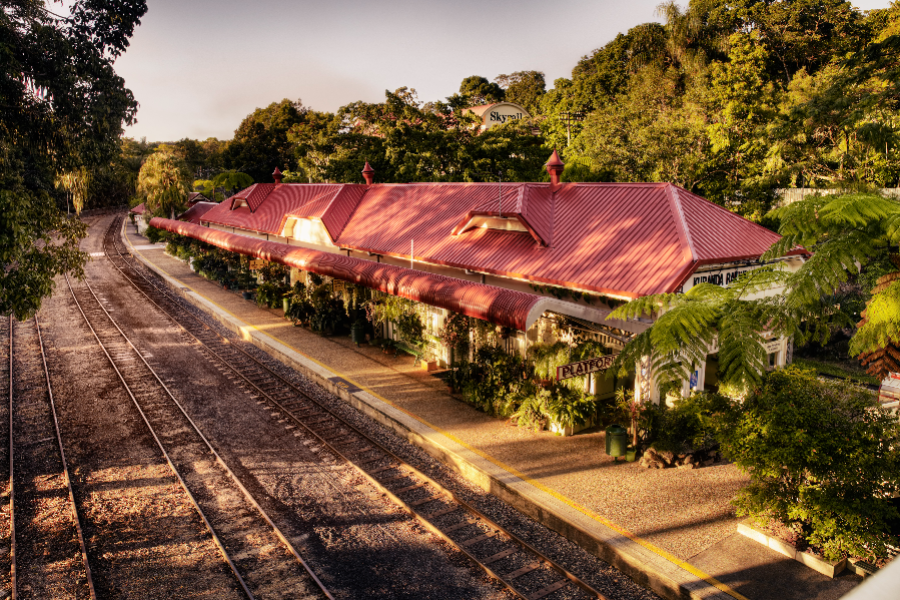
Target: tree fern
x=844, y=233
x=881, y=326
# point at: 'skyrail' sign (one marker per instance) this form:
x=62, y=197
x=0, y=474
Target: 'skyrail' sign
x=584, y=367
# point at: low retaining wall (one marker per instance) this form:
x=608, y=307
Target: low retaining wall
x=827, y=568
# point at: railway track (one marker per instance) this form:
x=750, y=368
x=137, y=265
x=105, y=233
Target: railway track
x=47, y=550
x=6, y=371
x=262, y=559
x=522, y=568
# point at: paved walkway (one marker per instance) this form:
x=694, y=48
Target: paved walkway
x=672, y=530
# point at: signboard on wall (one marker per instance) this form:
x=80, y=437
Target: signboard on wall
x=585, y=367
x=499, y=113
x=256, y=265
x=722, y=277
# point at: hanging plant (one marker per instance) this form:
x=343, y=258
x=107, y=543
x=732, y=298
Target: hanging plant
x=388, y=309
x=455, y=334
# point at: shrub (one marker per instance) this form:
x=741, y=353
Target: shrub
x=556, y=403
x=823, y=458
x=410, y=328
x=687, y=426
x=269, y=295
x=494, y=381
x=328, y=314
x=155, y=235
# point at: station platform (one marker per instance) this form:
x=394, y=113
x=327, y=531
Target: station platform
x=671, y=530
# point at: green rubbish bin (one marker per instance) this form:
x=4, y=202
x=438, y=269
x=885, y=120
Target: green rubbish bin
x=358, y=332
x=616, y=441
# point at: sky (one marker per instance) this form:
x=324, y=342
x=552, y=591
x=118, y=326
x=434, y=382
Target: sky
x=198, y=67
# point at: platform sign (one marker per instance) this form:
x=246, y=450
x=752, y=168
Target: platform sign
x=256, y=265
x=585, y=367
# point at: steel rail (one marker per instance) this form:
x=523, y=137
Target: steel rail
x=204, y=347
x=62, y=454
x=401, y=464
x=12, y=490
x=276, y=530
x=162, y=449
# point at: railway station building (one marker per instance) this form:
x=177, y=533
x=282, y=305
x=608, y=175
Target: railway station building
x=523, y=256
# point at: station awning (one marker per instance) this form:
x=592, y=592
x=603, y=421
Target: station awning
x=501, y=306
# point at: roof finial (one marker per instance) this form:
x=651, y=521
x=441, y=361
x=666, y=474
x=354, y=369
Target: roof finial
x=555, y=167
x=276, y=174
x=368, y=173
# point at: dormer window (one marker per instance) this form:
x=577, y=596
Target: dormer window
x=494, y=222
x=238, y=202
x=514, y=222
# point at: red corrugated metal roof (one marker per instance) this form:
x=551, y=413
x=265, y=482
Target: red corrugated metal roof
x=332, y=203
x=626, y=239
x=139, y=209
x=254, y=195
x=490, y=303
x=611, y=238
x=720, y=233
x=194, y=213
x=195, y=197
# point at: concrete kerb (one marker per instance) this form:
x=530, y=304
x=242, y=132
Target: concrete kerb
x=666, y=575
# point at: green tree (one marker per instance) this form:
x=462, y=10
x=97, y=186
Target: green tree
x=476, y=90
x=261, y=141
x=652, y=132
x=524, y=88
x=63, y=110
x=230, y=181
x=405, y=142
x=822, y=458
x=164, y=182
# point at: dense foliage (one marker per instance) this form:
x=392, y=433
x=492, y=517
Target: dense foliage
x=164, y=182
x=63, y=111
x=851, y=237
x=823, y=459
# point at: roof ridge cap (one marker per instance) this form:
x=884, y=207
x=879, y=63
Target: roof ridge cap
x=675, y=202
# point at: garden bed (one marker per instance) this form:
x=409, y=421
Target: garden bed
x=828, y=568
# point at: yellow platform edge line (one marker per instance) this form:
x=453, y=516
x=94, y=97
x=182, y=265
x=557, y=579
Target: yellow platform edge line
x=585, y=511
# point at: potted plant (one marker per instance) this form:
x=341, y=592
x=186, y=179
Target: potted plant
x=388, y=347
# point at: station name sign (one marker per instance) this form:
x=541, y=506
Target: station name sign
x=722, y=278
x=497, y=117
x=585, y=367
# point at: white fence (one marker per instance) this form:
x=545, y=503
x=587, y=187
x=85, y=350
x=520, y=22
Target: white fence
x=790, y=195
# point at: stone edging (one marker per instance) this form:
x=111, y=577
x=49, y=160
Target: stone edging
x=827, y=568
x=665, y=575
